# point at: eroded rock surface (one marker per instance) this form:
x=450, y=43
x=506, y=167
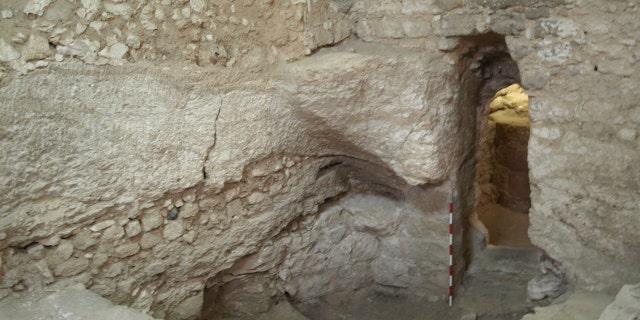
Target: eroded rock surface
x=156, y=183
x=225, y=127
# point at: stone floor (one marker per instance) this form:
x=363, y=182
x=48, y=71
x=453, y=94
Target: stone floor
x=506, y=227
x=495, y=289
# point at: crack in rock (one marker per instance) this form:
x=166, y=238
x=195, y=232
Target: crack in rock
x=213, y=145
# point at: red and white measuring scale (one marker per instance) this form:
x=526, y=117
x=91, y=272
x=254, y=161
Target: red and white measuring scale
x=450, y=254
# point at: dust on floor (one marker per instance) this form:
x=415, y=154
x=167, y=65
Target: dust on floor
x=495, y=288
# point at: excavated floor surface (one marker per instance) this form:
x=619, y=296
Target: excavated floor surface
x=494, y=289
x=506, y=227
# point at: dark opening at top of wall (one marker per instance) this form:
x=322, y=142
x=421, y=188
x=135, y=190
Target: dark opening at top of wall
x=491, y=63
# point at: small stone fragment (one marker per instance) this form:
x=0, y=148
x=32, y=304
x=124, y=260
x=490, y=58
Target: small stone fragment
x=80, y=28
x=113, y=270
x=189, y=210
x=7, y=52
x=42, y=64
x=99, y=260
x=149, y=240
x=151, y=220
x=127, y=250
x=6, y=14
x=54, y=240
x=133, y=228
x=64, y=250
x=89, y=8
x=190, y=197
x=173, y=230
x=189, y=237
x=116, y=51
x=37, y=7
x=37, y=47
x=448, y=44
x=256, y=197
x=546, y=286
x=173, y=213
x=186, y=12
x=121, y=9
x=133, y=41
x=469, y=316
x=96, y=25
x=145, y=18
x=102, y=225
x=197, y=5
x=35, y=251
x=83, y=240
x=154, y=268
x=627, y=134
x=45, y=272
x=19, y=38
x=113, y=232
x=71, y=267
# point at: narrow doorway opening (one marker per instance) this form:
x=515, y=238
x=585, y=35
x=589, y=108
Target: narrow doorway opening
x=502, y=173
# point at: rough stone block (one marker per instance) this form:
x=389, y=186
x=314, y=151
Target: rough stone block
x=563, y=28
x=127, y=250
x=507, y=23
x=537, y=12
x=518, y=47
x=133, y=228
x=71, y=267
x=37, y=47
x=36, y=7
x=36, y=251
x=149, y=240
x=247, y=295
x=113, y=233
x=173, y=230
x=418, y=27
x=459, y=24
x=546, y=286
x=151, y=219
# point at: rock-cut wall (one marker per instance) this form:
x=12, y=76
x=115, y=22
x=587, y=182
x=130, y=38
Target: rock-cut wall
x=168, y=187
x=168, y=153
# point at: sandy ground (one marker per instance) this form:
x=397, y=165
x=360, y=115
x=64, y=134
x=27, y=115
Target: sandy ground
x=506, y=227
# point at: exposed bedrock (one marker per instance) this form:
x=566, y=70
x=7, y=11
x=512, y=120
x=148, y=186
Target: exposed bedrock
x=149, y=187
x=165, y=153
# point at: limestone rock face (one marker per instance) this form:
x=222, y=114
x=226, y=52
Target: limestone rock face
x=365, y=240
x=584, y=186
x=127, y=168
x=155, y=152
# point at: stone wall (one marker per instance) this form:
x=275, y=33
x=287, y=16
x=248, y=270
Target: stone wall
x=580, y=70
x=150, y=180
x=149, y=185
